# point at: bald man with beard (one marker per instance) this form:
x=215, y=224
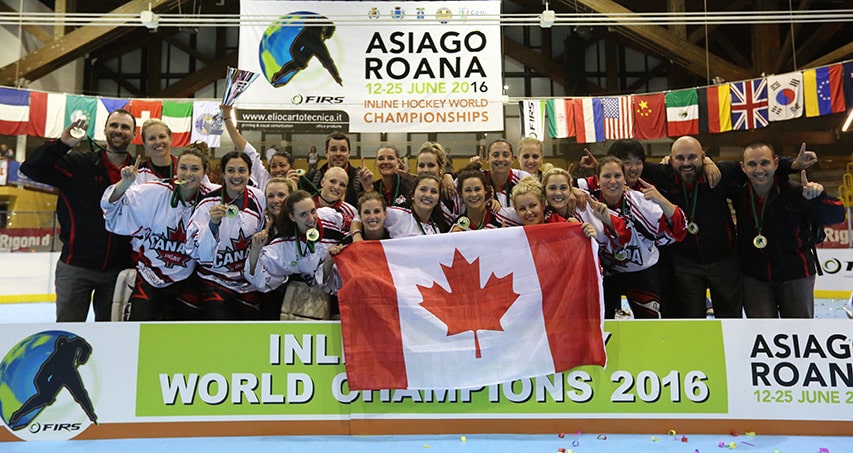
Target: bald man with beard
x=707, y=258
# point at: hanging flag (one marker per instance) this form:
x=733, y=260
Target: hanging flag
x=618, y=117
x=14, y=111
x=532, y=119
x=715, y=109
x=77, y=107
x=561, y=122
x=143, y=110
x=451, y=311
x=749, y=104
x=589, y=120
x=682, y=113
x=205, y=126
x=823, y=90
x=649, y=116
x=847, y=75
x=47, y=114
x=105, y=107
x=179, y=117
x=785, y=96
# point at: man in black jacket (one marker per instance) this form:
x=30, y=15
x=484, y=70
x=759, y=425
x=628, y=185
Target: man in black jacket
x=91, y=256
x=776, y=221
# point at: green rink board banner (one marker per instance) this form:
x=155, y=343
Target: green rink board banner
x=179, y=372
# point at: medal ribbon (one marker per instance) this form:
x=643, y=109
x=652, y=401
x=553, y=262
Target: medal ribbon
x=758, y=222
x=687, y=199
x=419, y=223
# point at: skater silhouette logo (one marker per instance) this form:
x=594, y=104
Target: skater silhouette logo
x=292, y=42
x=44, y=393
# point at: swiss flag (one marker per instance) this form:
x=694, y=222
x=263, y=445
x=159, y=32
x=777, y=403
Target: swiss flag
x=144, y=109
x=457, y=311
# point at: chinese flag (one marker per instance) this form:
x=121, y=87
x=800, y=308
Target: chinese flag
x=451, y=311
x=649, y=116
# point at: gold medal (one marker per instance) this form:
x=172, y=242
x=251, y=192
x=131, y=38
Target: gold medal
x=300, y=172
x=759, y=241
x=692, y=228
x=232, y=211
x=621, y=255
x=178, y=182
x=312, y=234
x=463, y=222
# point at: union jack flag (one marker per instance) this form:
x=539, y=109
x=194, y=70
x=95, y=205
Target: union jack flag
x=749, y=104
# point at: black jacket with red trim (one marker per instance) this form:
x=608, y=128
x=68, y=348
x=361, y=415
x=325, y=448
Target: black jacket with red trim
x=81, y=178
x=709, y=209
x=789, y=223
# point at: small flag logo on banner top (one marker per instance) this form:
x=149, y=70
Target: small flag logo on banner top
x=47, y=114
x=749, y=104
x=682, y=113
x=589, y=120
x=715, y=109
x=785, y=96
x=451, y=311
x=561, y=121
x=823, y=90
x=14, y=111
x=532, y=119
x=649, y=116
x=618, y=117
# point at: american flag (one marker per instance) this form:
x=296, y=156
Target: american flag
x=749, y=104
x=618, y=118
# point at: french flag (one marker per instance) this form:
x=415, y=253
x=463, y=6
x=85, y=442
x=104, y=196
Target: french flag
x=589, y=120
x=14, y=111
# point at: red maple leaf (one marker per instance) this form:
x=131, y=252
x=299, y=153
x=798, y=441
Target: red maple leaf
x=468, y=306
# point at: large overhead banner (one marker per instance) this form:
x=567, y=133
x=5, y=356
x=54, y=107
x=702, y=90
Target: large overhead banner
x=389, y=67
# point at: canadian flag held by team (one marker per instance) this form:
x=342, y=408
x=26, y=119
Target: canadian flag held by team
x=470, y=309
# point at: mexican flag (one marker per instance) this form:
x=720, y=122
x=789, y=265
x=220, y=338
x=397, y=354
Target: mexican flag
x=682, y=113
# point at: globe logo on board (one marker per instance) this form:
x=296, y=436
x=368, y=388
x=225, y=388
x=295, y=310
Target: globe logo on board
x=292, y=42
x=46, y=384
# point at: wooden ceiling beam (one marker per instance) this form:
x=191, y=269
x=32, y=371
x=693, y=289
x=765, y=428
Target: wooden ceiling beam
x=788, y=44
x=102, y=70
x=76, y=44
x=540, y=63
x=832, y=57
x=811, y=47
x=33, y=30
x=199, y=79
x=680, y=51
